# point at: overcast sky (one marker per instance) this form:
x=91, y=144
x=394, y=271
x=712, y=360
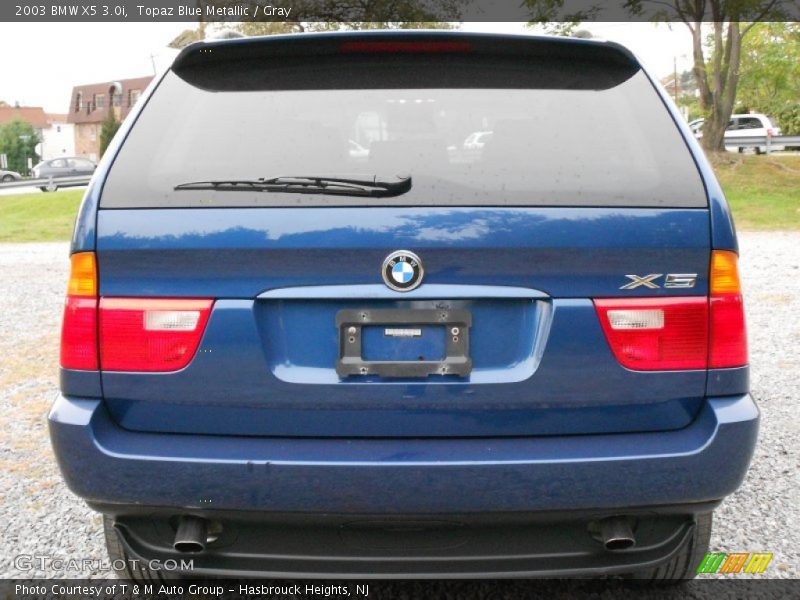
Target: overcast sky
x=40, y=62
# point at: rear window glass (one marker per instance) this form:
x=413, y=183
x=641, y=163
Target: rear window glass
x=469, y=131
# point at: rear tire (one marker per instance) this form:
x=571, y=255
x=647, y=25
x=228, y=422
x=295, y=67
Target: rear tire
x=123, y=566
x=683, y=565
x=7, y=179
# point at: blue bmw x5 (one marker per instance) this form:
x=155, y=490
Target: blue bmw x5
x=405, y=305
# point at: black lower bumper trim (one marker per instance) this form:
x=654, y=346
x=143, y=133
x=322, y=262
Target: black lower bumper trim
x=408, y=547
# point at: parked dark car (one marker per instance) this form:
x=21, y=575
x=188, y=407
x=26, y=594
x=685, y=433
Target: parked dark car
x=62, y=168
x=282, y=359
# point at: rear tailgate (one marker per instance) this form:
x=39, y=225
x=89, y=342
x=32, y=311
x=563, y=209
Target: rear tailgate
x=520, y=235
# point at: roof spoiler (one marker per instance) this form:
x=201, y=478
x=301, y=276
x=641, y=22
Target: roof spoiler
x=326, y=44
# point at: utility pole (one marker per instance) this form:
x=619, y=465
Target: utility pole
x=675, y=76
x=24, y=139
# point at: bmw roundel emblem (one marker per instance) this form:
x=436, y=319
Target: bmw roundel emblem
x=402, y=271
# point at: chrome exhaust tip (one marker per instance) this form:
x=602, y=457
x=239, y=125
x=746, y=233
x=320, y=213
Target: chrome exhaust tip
x=616, y=534
x=192, y=535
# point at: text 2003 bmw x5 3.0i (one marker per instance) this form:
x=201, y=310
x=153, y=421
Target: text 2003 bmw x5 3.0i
x=314, y=328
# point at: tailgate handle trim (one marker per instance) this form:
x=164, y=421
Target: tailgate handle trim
x=427, y=291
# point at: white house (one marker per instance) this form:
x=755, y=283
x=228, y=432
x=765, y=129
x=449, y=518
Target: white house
x=58, y=139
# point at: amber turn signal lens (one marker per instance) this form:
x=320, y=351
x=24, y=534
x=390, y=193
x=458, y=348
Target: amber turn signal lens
x=83, y=275
x=724, y=272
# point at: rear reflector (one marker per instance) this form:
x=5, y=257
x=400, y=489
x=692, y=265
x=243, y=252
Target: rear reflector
x=418, y=47
x=728, y=347
x=650, y=334
x=150, y=334
x=79, y=327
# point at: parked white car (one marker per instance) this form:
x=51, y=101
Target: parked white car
x=9, y=176
x=744, y=125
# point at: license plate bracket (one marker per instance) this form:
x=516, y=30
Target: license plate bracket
x=457, y=323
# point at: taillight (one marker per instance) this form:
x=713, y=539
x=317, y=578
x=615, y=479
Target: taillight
x=770, y=132
x=649, y=334
x=692, y=332
x=150, y=334
x=728, y=346
x=79, y=327
x=135, y=334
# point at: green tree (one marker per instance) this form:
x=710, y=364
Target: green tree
x=334, y=15
x=769, y=76
x=716, y=60
x=189, y=36
x=108, y=128
x=788, y=119
x=18, y=141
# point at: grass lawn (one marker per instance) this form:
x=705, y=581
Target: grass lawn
x=39, y=217
x=764, y=193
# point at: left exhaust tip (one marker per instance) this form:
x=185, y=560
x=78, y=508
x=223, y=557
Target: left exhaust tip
x=192, y=535
x=616, y=534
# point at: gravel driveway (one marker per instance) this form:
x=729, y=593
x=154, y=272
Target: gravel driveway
x=40, y=516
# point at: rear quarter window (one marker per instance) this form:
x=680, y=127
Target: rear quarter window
x=470, y=130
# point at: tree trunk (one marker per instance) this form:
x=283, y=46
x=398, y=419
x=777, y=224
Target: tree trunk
x=714, y=131
x=699, y=66
x=727, y=51
x=714, y=128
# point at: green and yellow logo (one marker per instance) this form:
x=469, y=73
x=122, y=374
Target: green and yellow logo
x=753, y=563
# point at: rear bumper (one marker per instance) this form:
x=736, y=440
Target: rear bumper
x=411, y=508
x=105, y=465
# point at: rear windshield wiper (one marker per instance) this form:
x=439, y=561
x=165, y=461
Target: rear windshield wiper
x=375, y=186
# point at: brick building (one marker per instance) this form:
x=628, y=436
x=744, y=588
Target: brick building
x=89, y=105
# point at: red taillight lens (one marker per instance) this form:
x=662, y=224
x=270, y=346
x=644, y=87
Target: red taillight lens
x=728, y=346
x=650, y=334
x=79, y=334
x=728, y=337
x=150, y=334
x=399, y=47
x=79, y=327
